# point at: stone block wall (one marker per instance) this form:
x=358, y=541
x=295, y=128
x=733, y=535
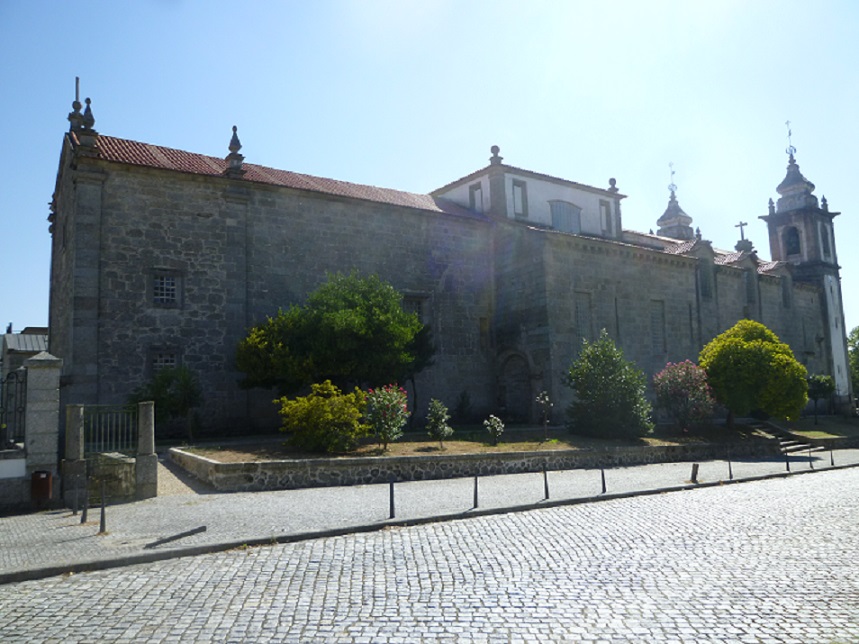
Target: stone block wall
x=295, y=474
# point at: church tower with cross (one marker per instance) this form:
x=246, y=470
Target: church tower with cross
x=801, y=234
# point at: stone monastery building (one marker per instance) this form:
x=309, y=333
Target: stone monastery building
x=162, y=257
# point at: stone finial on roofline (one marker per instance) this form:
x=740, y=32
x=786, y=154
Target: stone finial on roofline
x=495, y=159
x=234, y=159
x=82, y=124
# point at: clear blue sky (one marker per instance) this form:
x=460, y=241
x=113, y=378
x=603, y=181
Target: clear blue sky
x=411, y=95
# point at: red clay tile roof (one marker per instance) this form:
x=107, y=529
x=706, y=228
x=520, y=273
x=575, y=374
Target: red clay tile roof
x=682, y=247
x=766, y=267
x=155, y=156
x=729, y=258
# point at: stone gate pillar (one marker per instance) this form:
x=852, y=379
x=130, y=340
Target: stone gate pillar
x=146, y=464
x=42, y=417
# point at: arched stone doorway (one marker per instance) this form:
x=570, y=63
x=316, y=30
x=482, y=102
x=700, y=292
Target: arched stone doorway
x=514, y=389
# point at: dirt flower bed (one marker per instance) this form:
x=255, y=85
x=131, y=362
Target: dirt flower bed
x=466, y=442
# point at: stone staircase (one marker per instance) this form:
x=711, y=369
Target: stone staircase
x=789, y=443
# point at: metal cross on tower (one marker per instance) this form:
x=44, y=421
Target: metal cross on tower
x=790, y=149
x=741, y=225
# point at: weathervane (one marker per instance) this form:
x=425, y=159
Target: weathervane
x=671, y=186
x=741, y=225
x=790, y=149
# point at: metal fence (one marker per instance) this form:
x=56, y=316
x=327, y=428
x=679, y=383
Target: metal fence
x=13, y=400
x=110, y=428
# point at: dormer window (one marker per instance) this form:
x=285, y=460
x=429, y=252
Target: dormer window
x=475, y=197
x=605, y=216
x=520, y=199
x=566, y=217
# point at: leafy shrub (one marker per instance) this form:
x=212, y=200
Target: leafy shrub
x=387, y=413
x=495, y=427
x=609, y=392
x=682, y=391
x=176, y=392
x=750, y=369
x=437, y=426
x=326, y=420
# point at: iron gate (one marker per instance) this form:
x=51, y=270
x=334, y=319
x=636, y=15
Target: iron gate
x=13, y=399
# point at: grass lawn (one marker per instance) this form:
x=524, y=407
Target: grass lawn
x=826, y=427
x=469, y=440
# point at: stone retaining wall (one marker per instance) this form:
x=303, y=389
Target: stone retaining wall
x=324, y=472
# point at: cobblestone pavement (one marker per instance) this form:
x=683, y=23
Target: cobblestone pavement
x=765, y=561
x=48, y=543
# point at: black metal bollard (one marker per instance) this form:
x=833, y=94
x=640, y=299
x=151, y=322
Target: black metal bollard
x=831, y=458
x=602, y=476
x=730, y=469
x=391, y=499
x=102, y=528
x=75, y=499
x=545, y=484
x=86, y=503
x=787, y=462
x=475, y=491
x=810, y=460
x=694, y=478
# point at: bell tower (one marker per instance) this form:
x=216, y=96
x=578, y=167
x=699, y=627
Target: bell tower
x=801, y=233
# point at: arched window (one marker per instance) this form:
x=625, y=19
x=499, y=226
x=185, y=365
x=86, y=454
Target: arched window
x=824, y=238
x=791, y=241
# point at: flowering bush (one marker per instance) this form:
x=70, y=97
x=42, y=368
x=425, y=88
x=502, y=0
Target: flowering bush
x=682, y=391
x=495, y=428
x=437, y=418
x=387, y=413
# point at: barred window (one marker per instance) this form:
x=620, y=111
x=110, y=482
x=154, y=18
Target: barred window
x=162, y=359
x=166, y=288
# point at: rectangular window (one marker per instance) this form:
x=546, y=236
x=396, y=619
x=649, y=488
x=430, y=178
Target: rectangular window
x=166, y=288
x=475, y=197
x=605, y=216
x=584, y=316
x=566, y=217
x=520, y=198
x=162, y=359
x=657, y=326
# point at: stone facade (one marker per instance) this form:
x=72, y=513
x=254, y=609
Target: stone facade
x=163, y=256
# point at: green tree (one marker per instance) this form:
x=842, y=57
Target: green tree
x=750, y=369
x=682, y=391
x=176, y=392
x=326, y=420
x=819, y=387
x=609, y=391
x=853, y=354
x=351, y=330
x=437, y=422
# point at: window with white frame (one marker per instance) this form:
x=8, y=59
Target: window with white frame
x=520, y=198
